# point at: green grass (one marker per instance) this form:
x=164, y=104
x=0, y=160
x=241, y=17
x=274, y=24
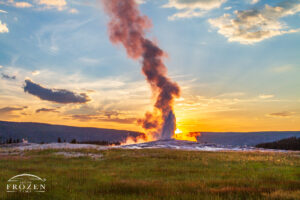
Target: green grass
x=158, y=174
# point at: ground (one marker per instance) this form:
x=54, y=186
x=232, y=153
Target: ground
x=155, y=174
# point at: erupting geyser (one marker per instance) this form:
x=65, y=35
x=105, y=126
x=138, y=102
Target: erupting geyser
x=128, y=27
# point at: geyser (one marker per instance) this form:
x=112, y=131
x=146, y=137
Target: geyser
x=169, y=126
x=128, y=27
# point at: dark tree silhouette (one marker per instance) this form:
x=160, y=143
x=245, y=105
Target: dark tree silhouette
x=292, y=143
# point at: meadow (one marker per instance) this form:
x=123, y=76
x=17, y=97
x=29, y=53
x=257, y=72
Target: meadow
x=156, y=174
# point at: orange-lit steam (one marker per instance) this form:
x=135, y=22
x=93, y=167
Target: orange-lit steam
x=128, y=27
x=134, y=140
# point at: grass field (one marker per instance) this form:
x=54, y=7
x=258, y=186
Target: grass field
x=157, y=174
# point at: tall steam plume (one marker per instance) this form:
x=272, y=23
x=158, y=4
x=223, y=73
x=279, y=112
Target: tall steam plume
x=128, y=27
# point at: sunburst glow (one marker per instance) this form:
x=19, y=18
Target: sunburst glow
x=188, y=136
x=178, y=131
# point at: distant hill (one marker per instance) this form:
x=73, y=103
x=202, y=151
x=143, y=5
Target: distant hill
x=38, y=132
x=248, y=138
x=292, y=143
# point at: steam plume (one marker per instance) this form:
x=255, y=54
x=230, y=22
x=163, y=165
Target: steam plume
x=128, y=27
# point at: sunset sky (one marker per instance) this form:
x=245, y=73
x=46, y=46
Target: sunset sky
x=237, y=63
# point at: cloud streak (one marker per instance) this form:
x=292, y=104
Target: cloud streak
x=281, y=69
x=46, y=110
x=86, y=117
x=54, y=95
x=57, y=4
x=60, y=5
x=22, y=5
x=252, y=26
x=266, y=96
x=19, y=4
x=281, y=114
x=5, y=76
x=254, y=1
x=192, y=8
x=7, y=110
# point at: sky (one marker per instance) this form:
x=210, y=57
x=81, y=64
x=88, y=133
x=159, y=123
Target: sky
x=237, y=63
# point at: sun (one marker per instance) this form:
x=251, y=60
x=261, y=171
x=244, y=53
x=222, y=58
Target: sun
x=178, y=131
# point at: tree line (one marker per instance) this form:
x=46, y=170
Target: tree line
x=292, y=143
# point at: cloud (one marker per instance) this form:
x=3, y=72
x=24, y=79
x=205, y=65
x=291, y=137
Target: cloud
x=89, y=61
x=8, y=110
x=11, y=112
x=281, y=114
x=87, y=113
x=46, y=110
x=59, y=5
x=140, y=1
x=19, y=4
x=266, y=96
x=56, y=4
x=3, y=28
x=5, y=76
x=192, y=8
x=3, y=11
x=252, y=26
x=232, y=94
x=84, y=117
x=22, y=5
x=35, y=73
x=281, y=69
x=73, y=11
x=254, y=1
x=54, y=95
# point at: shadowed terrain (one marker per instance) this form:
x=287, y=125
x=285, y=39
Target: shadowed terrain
x=37, y=133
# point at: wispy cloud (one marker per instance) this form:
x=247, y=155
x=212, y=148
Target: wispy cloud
x=140, y=1
x=254, y=1
x=252, y=26
x=18, y=4
x=22, y=4
x=35, y=73
x=5, y=76
x=266, y=96
x=56, y=4
x=47, y=110
x=89, y=61
x=40, y=5
x=54, y=95
x=51, y=36
x=6, y=110
x=228, y=8
x=104, y=119
x=232, y=94
x=73, y=11
x=284, y=114
x=3, y=11
x=11, y=111
x=282, y=69
x=192, y=8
